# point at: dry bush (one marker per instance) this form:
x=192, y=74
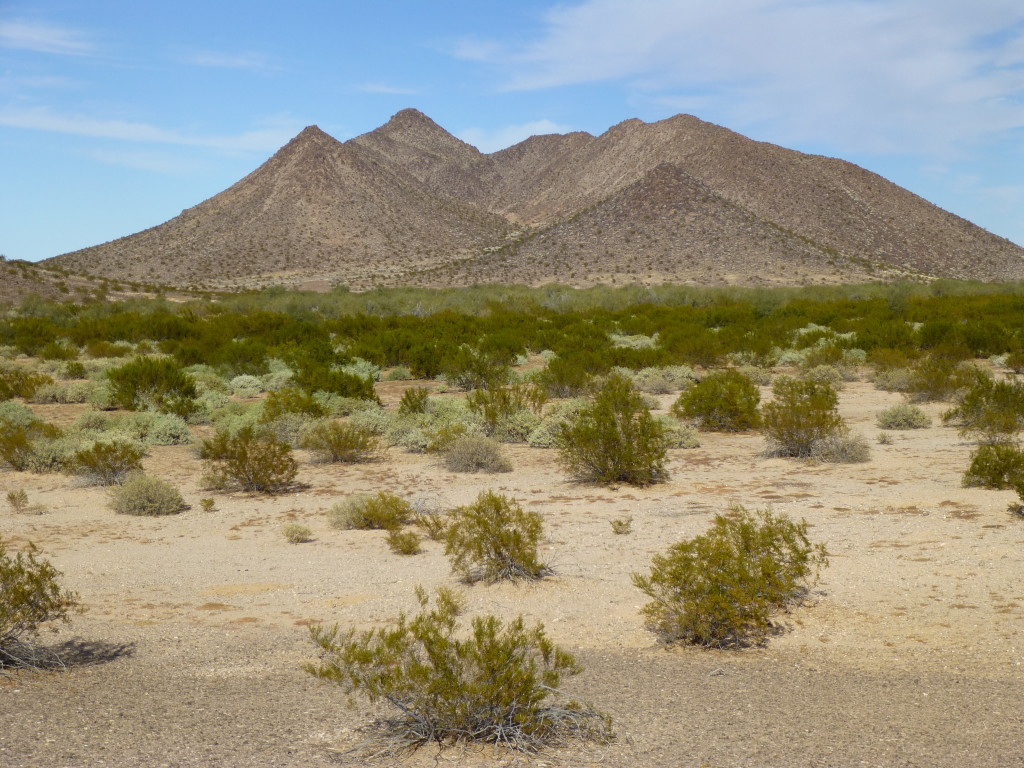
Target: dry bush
x=622, y=526
x=143, y=495
x=842, y=448
x=491, y=684
x=494, y=539
x=903, y=416
x=17, y=500
x=383, y=511
x=297, y=533
x=474, y=453
x=721, y=589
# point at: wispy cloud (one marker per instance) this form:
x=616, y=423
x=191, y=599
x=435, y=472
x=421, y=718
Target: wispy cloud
x=44, y=38
x=383, y=88
x=250, y=60
x=40, y=119
x=491, y=140
x=872, y=76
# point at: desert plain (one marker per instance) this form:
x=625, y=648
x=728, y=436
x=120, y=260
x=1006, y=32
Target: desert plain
x=908, y=652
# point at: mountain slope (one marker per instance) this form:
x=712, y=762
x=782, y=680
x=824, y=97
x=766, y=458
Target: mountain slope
x=678, y=199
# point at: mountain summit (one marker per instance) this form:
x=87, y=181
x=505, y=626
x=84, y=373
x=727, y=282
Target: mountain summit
x=675, y=200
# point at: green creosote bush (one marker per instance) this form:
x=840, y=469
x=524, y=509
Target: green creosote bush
x=622, y=526
x=399, y=373
x=250, y=460
x=474, y=453
x=903, y=416
x=333, y=441
x=999, y=466
x=297, y=533
x=107, y=463
x=414, y=400
x=383, y=511
x=494, y=539
x=146, y=496
x=884, y=438
x=614, y=439
x=720, y=589
x=990, y=411
x=20, y=383
x=724, y=401
x=404, y=542
x=939, y=378
x=157, y=383
x=291, y=401
x=492, y=684
x=207, y=504
x=30, y=597
x=508, y=413
x=801, y=414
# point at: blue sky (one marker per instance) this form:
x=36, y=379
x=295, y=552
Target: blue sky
x=116, y=115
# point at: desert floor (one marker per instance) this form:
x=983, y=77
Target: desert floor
x=910, y=652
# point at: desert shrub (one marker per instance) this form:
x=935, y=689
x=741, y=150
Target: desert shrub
x=56, y=350
x=362, y=368
x=153, y=383
x=101, y=348
x=30, y=597
x=494, y=539
x=17, y=500
x=802, y=413
x=938, y=378
x=143, y=495
x=677, y=434
x=469, y=369
x=721, y=588
x=399, y=373
x=903, y=416
x=995, y=465
x=383, y=511
x=20, y=444
x=1015, y=362
x=622, y=526
x=168, y=429
x=614, y=439
x=404, y=542
x=249, y=459
x=62, y=392
x=826, y=374
x=245, y=385
x=297, y=533
x=565, y=378
x=333, y=441
x=16, y=382
x=338, y=405
x=724, y=400
x=414, y=400
x=894, y=379
x=757, y=374
x=16, y=415
x=474, y=453
x=207, y=504
x=490, y=684
x=105, y=463
x=101, y=397
x=842, y=448
x=288, y=427
x=989, y=410
x=288, y=401
x=73, y=369
x=508, y=413
x=664, y=380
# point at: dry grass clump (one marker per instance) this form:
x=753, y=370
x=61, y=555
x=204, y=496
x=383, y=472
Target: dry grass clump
x=141, y=494
x=297, y=533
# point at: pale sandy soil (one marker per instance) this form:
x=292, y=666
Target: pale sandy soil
x=910, y=654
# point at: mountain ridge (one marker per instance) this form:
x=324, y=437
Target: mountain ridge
x=679, y=199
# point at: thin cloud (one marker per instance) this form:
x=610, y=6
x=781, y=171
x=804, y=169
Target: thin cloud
x=44, y=38
x=252, y=61
x=491, y=140
x=892, y=76
x=262, y=140
x=383, y=88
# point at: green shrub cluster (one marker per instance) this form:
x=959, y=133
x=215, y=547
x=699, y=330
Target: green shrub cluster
x=492, y=684
x=339, y=442
x=614, y=439
x=801, y=414
x=721, y=589
x=989, y=410
x=105, y=463
x=494, y=539
x=724, y=400
x=250, y=460
x=996, y=465
x=156, y=383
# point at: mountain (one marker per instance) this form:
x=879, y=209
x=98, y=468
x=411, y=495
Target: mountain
x=675, y=200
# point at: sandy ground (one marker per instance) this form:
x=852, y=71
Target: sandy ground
x=191, y=652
